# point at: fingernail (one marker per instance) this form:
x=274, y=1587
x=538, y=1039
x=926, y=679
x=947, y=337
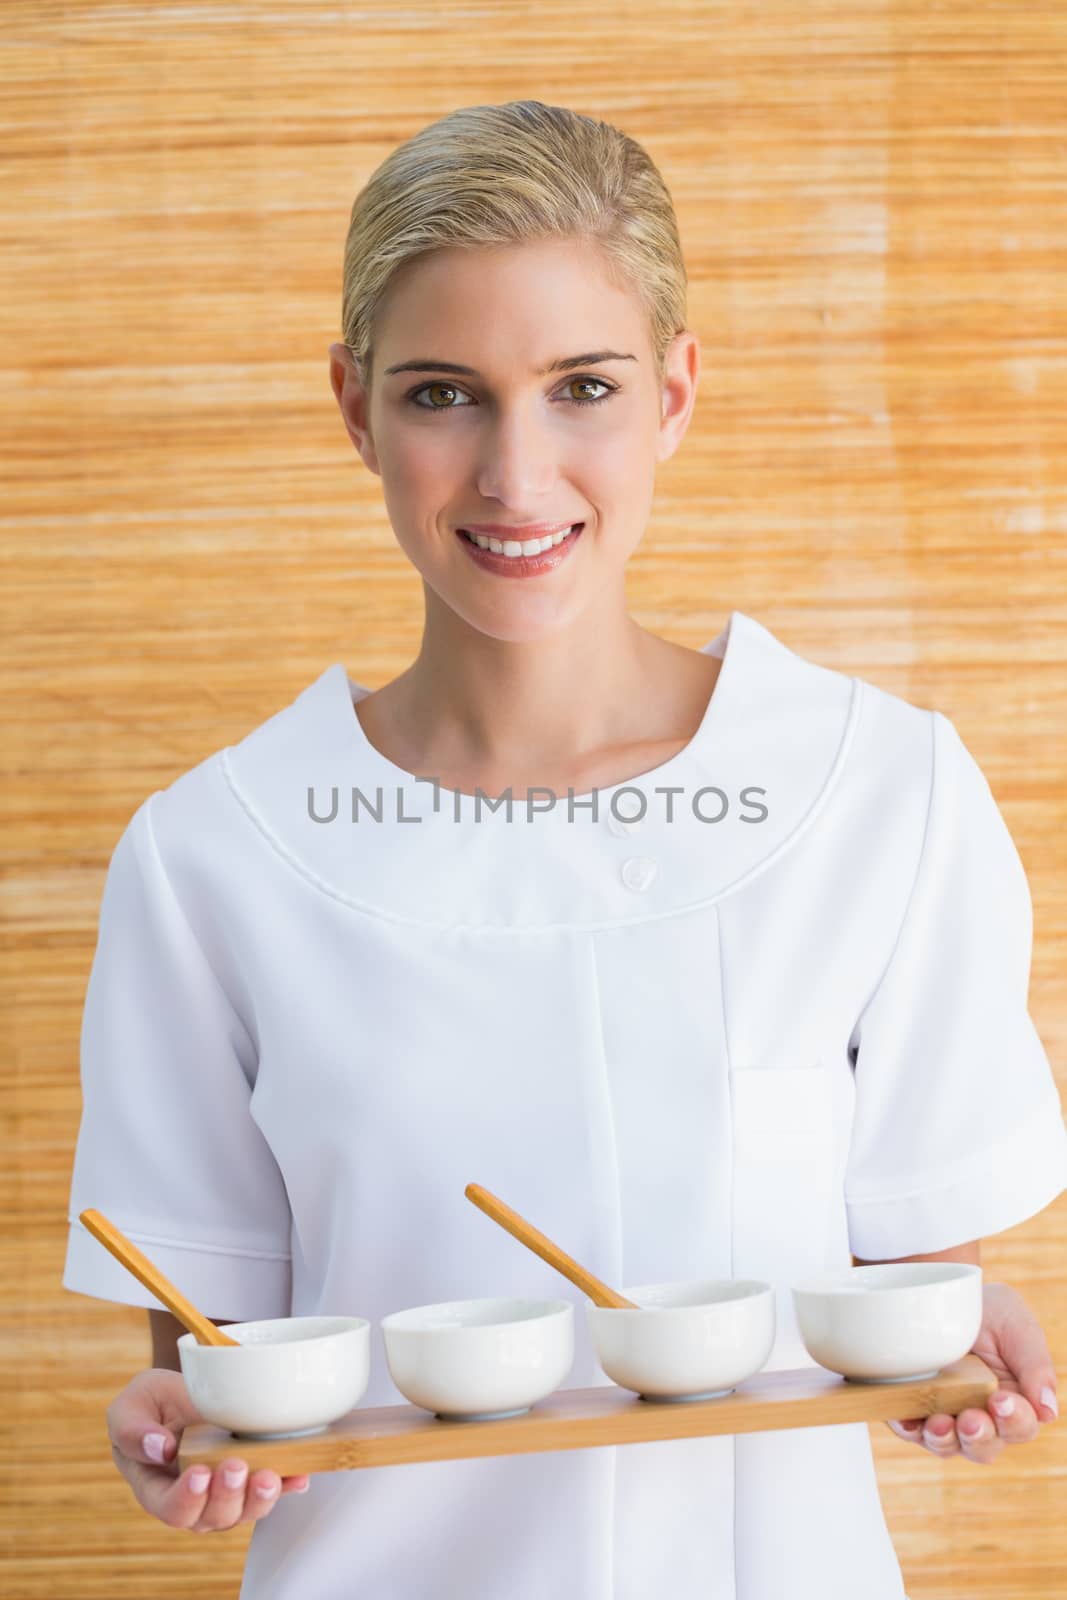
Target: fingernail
x=265, y=1490
x=234, y=1476
x=154, y=1446
x=1003, y=1404
x=939, y=1430
x=1048, y=1399
x=199, y=1479
x=303, y=1489
x=970, y=1430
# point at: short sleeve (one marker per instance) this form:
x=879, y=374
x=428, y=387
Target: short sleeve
x=957, y=1131
x=168, y=1148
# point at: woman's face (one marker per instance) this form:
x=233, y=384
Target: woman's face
x=504, y=443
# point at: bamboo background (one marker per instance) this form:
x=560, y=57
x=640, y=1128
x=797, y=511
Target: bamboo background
x=872, y=199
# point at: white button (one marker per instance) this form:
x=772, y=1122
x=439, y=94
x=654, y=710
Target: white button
x=639, y=871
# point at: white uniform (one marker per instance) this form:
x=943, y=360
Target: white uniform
x=683, y=1048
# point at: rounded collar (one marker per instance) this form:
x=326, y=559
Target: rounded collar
x=431, y=799
x=772, y=739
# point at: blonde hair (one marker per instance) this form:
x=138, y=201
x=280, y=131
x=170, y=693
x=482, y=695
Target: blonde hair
x=486, y=176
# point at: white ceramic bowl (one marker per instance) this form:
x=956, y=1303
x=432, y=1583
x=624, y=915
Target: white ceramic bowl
x=890, y=1323
x=473, y=1360
x=686, y=1341
x=292, y=1375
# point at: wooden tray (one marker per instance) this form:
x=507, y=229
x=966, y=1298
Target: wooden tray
x=575, y=1419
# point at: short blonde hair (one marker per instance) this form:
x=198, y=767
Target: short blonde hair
x=486, y=176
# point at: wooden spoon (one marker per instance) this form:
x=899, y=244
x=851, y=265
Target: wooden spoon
x=123, y=1250
x=542, y=1246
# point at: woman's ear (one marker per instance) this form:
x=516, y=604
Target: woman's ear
x=680, y=374
x=354, y=403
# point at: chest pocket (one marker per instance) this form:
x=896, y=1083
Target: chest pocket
x=783, y=1178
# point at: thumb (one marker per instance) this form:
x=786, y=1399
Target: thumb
x=158, y=1445
x=1025, y=1351
x=147, y=1419
x=1040, y=1390
x=1030, y=1359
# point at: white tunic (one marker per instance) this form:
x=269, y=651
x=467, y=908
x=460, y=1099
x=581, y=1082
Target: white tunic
x=781, y=1017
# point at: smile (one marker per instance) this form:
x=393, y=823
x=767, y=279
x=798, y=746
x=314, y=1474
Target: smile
x=513, y=548
x=532, y=558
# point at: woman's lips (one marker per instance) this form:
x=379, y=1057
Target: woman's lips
x=521, y=566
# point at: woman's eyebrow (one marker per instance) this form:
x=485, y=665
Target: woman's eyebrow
x=564, y=364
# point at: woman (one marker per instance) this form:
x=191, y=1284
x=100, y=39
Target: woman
x=734, y=984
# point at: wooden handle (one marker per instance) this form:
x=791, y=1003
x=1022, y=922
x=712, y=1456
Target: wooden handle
x=124, y=1250
x=541, y=1246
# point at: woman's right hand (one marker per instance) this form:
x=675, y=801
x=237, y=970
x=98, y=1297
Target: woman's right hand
x=156, y=1402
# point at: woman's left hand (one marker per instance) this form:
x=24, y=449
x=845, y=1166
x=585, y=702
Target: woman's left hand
x=1011, y=1343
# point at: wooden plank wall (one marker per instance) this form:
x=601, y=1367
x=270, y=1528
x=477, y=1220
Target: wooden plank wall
x=872, y=199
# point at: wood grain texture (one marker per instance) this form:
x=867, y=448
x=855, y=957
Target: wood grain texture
x=872, y=202
x=579, y=1419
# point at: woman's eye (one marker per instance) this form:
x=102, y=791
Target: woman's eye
x=449, y=388
x=600, y=384
x=454, y=389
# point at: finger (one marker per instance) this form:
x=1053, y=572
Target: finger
x=233, y=1497
x=264, y=1492
x=146, y=1459
x=939, y=1434
x=145, y=1423
x=155, y=1400
x=977, y=1435
x=223, y=1499
x=1039, y=1391
x=180, y=1503
x=147, y=1453
x=1014, y=1417
x=1024, y=1348
x=908, y=1428
x=138, y=1433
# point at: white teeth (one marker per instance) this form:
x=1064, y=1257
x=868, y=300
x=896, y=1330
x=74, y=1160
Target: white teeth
x=513, y=547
